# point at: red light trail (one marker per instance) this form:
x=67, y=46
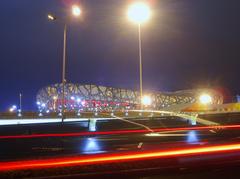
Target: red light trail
x=108, y=158
x=117, y=132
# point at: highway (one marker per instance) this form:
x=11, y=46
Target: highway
x=174, y=142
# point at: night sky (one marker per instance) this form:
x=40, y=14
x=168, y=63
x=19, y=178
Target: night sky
x=187, y=44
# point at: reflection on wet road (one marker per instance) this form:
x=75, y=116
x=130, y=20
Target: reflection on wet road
x=33, y=148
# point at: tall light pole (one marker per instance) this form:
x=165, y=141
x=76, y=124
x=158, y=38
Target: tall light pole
x=64, y=70
x=139, y=13
x=20, y=103
x=76, y=12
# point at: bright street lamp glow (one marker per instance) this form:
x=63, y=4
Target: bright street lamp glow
x=146, y=100
x=51, y=17
x=205, y=99
x=139, y=12
x=13, y=108
x=76, y=11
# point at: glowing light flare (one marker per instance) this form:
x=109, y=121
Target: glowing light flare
x=192, y=137
x=92, y=146
x=76, y=11
x=127, y=156
x=146, y=100
x=205, y=99
x=13, y=108
x=139, y=12
x=51, y=17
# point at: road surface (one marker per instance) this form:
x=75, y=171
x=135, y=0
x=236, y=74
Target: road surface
x=174, y=145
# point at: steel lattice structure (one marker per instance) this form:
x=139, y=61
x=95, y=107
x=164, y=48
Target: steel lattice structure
x=94, y=97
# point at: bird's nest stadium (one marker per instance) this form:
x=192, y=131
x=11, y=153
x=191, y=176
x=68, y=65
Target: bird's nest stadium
x=80, y=97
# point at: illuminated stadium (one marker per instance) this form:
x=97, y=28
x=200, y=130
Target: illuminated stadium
x=80, y=97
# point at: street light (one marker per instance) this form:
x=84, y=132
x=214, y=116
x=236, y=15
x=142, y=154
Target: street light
x=20, y=104
x=139, y=13
x=205, y=99
x=146, y=100
x=13, y=108
x=51, y=17
x=76, y=12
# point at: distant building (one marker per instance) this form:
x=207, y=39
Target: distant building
x=101, y=98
